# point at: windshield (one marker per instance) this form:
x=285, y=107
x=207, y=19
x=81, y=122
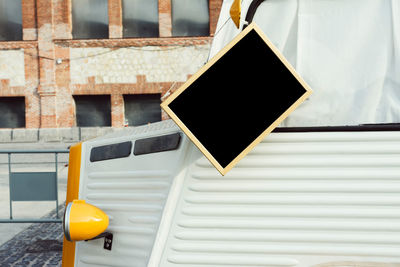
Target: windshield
x=348, y=51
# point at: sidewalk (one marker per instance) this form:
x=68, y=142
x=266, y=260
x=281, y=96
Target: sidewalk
x=39, y=245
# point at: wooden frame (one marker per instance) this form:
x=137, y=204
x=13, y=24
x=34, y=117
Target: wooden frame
x=192, y=79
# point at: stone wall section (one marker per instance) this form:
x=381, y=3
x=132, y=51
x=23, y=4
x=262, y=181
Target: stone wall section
x=157, y=64
x=12, y=70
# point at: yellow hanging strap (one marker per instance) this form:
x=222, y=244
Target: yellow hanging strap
x=235, y=12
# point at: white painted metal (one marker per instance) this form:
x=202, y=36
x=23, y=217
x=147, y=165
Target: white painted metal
x=132, y=191
x=298, y=199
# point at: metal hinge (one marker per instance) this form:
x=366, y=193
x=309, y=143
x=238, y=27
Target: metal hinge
x=108, y=239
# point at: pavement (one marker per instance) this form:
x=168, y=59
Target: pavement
x=31, y=244
x=39, y=245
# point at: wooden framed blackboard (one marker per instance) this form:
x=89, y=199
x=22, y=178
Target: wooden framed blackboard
x=237, y=98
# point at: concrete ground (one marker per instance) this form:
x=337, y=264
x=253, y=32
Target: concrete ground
x=29, y=163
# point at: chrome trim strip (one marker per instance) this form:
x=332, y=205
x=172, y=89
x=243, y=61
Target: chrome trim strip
x=66, y=221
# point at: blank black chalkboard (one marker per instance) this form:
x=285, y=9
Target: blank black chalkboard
x=237, y=98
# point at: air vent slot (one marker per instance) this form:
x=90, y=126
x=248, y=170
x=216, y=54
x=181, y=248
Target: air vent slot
x=157, y=144
x=114, y=151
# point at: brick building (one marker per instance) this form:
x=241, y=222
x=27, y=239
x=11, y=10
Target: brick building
x=77, y=63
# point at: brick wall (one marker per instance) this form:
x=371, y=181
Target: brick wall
x=48, y=67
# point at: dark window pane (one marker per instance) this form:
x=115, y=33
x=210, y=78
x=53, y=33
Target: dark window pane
x=10, y=20
x=190, y=18
x=140, y=18
x=93, y=110
x=90, y=19
x=142, y=109
x=12, y=112
x=114, y=151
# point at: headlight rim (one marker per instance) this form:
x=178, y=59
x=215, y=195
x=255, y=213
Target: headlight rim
x=66, y=222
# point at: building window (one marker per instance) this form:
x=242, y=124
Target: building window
x=190, y=18
x=90, y=19
x=142, y=109
x=10, y=20
x=12, y=112
x=93, y=110
x=140, y=18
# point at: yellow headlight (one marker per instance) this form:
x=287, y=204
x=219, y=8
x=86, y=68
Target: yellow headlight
x=83, y=221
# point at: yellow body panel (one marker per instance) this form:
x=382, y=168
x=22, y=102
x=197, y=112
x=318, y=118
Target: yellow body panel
x=74, y=169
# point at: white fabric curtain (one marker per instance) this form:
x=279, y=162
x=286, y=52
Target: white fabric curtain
x=348, y=51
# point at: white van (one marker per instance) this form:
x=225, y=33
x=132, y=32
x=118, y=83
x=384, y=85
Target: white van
x=321, y=190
